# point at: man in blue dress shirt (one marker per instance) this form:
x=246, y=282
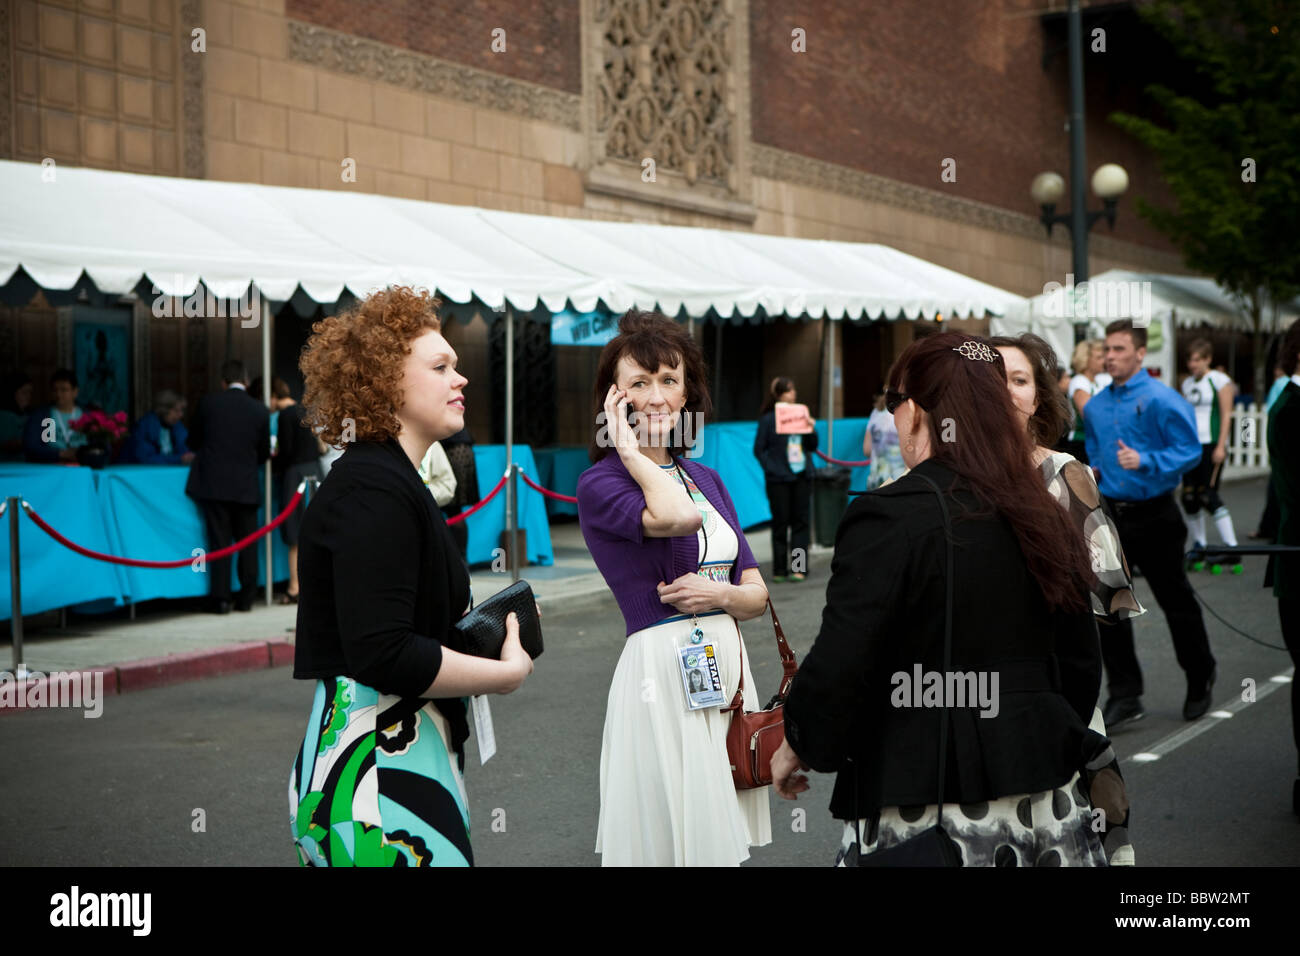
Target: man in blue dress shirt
x=1141, y=436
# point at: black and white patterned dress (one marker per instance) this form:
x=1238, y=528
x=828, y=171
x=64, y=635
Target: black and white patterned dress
x=1057, y=827
x=1051, y=828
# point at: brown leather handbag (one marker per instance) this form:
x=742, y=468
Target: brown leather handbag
x=753, y=738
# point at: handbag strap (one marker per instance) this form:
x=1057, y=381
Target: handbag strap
x=947, y=642
x=789, y=665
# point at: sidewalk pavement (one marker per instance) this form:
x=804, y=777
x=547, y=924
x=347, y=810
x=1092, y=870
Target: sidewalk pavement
x=170, y=641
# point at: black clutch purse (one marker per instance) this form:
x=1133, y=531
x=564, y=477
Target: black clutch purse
x=483, y=629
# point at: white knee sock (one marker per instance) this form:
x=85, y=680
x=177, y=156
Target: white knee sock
x=1223, y=521
x=1196, y=523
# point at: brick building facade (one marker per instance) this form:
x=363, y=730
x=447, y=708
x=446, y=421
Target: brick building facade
x=819, y=119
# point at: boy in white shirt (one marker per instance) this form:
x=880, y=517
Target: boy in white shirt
x=1210, y=393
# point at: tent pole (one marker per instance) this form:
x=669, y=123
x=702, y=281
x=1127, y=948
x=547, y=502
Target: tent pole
x=512, y=499
x=717, y=355
x=13, y=504
x=830, y=387
x=266, y=395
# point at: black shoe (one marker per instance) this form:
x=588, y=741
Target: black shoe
x=219, y=607
x=243, y=607
x=1122, y=710
x=1198, y=698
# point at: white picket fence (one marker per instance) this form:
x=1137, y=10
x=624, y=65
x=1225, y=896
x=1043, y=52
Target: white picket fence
x=1247, y=445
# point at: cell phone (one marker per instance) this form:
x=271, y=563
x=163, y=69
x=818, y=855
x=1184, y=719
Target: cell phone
x=628, y=411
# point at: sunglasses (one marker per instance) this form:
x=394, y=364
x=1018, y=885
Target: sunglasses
x=893, y=399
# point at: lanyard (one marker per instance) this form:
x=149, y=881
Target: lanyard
x=697, y=633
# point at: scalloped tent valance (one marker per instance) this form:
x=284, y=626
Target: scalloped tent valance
x=120, y=232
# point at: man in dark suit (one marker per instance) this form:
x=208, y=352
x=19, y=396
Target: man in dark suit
x=232, y=436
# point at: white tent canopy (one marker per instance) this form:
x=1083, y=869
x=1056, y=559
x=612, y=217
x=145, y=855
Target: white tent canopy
x=121, y=229
x=1164, y=301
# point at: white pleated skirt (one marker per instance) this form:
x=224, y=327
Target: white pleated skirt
x=666, y=794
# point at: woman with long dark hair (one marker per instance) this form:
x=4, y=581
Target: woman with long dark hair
x=787, y=465
x=873, y=694
x=663, y=531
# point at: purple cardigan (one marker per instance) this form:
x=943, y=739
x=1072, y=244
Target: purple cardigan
x=610, y=503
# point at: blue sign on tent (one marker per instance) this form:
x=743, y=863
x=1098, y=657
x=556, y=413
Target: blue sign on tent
x=586, y=328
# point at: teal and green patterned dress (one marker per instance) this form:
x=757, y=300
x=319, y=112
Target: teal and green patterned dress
x=376, y=783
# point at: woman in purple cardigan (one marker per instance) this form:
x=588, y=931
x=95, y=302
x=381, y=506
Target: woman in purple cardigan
x=663, y=532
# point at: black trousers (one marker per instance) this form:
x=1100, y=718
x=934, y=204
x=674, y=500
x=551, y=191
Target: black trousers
x=227, y=522
x=1201, y=484
x=1152, y=534
x=790, y=502
x=1288, y=611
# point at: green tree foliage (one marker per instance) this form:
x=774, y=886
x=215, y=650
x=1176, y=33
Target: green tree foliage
x=1230, y=152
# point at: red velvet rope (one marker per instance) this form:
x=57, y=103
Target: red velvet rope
x=836, y=461
x=465, y=514
x=183, y=562
x=546, y=491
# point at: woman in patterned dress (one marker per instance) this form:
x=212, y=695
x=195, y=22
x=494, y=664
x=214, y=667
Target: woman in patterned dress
x=1030, y=365
x=664, y=534
x=1021, y=622
x=377, y=780
x=880, y=444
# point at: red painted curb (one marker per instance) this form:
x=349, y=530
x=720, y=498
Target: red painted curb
x=178, y=668
x=190, y=665
x=281, y=653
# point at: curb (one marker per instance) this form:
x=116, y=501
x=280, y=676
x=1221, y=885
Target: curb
x=151, y=672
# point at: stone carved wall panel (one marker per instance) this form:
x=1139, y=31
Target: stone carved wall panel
x=667, y=80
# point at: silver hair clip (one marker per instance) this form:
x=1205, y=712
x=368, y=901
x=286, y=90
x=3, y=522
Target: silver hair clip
x=976, y=351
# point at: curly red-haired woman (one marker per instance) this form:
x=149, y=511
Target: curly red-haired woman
x=377, y=781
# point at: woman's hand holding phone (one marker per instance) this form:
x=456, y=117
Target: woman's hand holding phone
x=621, y=433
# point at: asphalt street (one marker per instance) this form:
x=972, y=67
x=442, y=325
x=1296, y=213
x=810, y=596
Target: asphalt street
x=124, y=789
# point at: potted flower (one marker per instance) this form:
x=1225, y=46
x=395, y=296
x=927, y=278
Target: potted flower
x=103, y=432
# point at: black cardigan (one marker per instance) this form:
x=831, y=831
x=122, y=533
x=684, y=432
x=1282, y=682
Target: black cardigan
x=885, y=612
x=382, y=582
x=769, y=449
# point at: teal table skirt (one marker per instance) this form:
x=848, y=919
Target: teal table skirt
x=728, y=447
x=487, y=524
x=134, y=511
x=558, y=468
x=142, y=511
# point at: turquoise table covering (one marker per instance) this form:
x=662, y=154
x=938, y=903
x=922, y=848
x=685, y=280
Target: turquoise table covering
x=485, y=526
x=152, y=518
x=52, y=576
x=728, y=447
x=849, y=433
x=558, y=470
x=134, y=511
x=141, y=511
